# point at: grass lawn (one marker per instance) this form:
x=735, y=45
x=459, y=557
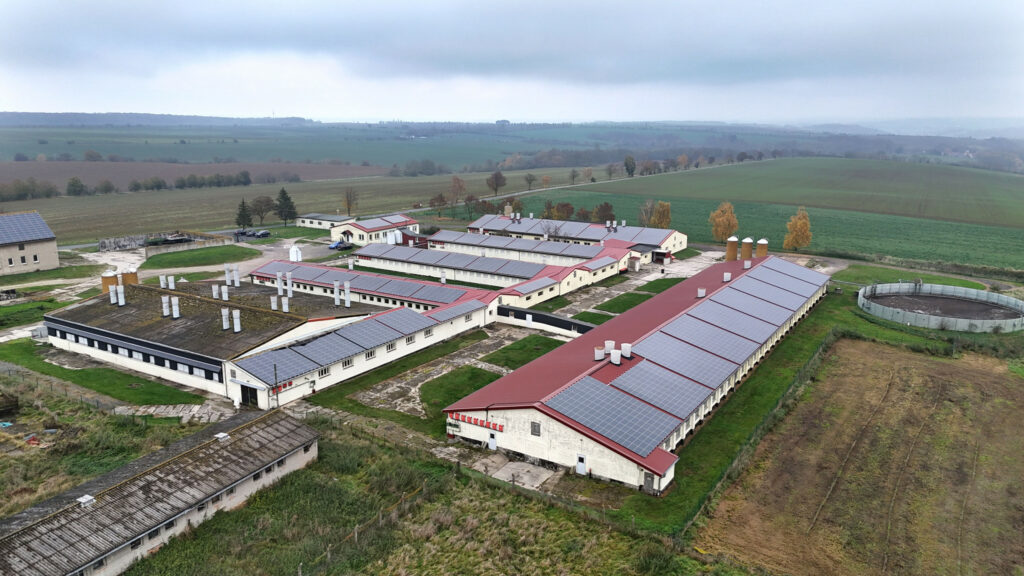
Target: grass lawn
x=337, y=396
x=623, y=302
x=43, y=288
x=83, y=271
x=94, y=291
x=866, y=274
x=457, y=283
x=552, y=304
x=595, y=318
x=686, y=253
x=189, y=276
x=108, y=381
x=660, y=285
x=444, y=390
x=27, y=312
x=715, y=445
x=613, y=280
x=200, y=257
x=522, y=352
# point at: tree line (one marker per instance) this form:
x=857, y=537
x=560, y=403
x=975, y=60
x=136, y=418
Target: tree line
x=262, y=206
x=798, y=230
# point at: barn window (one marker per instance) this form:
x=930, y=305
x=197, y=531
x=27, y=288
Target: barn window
x=428, y=332
x=306, y=448
x=169, y=525
x=391, y=346
x=410, y=339
x=346, y=363
x=535, y=428
x=324, y=372
x=154, y=534
x=136, y=543
x=257, y=476
x=370, y=354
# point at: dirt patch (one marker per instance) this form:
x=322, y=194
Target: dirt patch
x=947, y=307
x=894, y=462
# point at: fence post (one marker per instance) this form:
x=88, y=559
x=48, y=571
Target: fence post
x=357, y=534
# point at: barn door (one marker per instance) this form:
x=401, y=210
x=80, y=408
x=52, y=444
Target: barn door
x=492, y=442
x=581, y=464
x=249, y=396
x=648, y=482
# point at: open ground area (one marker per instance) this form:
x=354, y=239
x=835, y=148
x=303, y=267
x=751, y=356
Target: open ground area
x=893, y=462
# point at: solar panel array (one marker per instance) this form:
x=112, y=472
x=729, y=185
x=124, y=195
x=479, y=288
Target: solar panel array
x=730, y=346
x=452, y=260
x=362, y=282
x=797, y=271
x=383, y=222
x=599, y=263
x=573, y=230
x=533, y=285
x=23, y=227
x=619, y=417
x=685, y=359
x=752, y=306
x=332, y=347
x=460, y=309
x=773, y=294
x=659, y=387
x=789, y=283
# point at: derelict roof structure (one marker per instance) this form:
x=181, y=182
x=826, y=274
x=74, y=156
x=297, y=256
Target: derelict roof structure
x=684, y=347
x=368, y=282
x=18, y=227
x=573, y=230
x=452, y=260
x=73, y=536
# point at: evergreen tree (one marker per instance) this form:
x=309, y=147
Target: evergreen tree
x=285, y=208
x=244, y=217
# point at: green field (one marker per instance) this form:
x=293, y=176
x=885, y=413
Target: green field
x=82, y=271
x=864, y=274
x=522, y=352
x=27, y=312
x=660, y=285
x=107, y=381
x=623, y=302
x=595, y=318
x=552, y=304
x=200, y=257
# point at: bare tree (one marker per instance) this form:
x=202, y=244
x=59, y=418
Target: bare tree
x=530, y=179
x=261, y=206
x=351, y=199
x=456, y=191
x=646, y=212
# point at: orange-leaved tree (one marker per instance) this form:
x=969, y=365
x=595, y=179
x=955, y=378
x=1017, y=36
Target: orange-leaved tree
x=799, y=231
x=662, y=217
x=723, y=222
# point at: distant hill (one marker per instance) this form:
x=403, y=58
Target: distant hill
x=16, y=119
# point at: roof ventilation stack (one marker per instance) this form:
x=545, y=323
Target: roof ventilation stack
x=175, y=308
x=222, y=436
x=163, y=281
x=113, y=295
x=284, y=304
x=170, y=282
x=237, y=316
x=598, y=353
x=165, y=302
x=216, y=291
x=726, y=276
x=238, y=281
x=86, y=501
x=746, y=264
x=224, y=322
x=273, y=303
x=227, y=274
x=224, y=293
x=337, y=293
x=627, y=350
x=280, y=286
x=609, y=345
x=702, y=292
x=120, y=295
x=616, y=357
x=348, y=296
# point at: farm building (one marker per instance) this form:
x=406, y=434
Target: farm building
x=543, y=251
x=650, y=244
x=321, y=221
x=26, y=244
x=615, y=402
x=362, y=232
x=103, y=526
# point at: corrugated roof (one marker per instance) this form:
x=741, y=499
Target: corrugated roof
x=17, y=227
x=74, y=537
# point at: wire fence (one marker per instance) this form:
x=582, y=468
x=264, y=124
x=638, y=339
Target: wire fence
x=34, y=381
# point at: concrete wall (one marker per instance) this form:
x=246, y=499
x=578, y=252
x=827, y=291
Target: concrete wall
x=199, y=242
x=940, y=322
x=228, y=498
x=40, y=255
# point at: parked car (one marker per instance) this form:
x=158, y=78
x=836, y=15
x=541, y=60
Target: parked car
x=261, y=234
x=339, y=245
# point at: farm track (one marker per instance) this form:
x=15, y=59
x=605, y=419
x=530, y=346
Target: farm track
x=963, y=509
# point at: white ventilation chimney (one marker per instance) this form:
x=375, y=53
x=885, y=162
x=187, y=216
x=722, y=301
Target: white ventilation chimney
x=602, y=242
x=746, y=264
x=348, y=298
x=238, y=281
x=120, y=295
x=236, y=315
x=222, y=436
x=616, y=357
x=280, y=285
x=531, y=215
x=289, y=275
x=598, y=353
x=273, y=303
x=216, y=291
x=545, y=236
x=170, y=282
x=609, y=345
x=113, y=294
x=227, y=273
x=349, y=263
x=623, y=222
x=726, y=276
x=165, y=302
x=284, y=304
x=410, y=243
x=224, y=293
x=85, y=501
x=163, y=281
x=120, y=279
x=608, y=224
x=337, y=293
x=224, y=322
x=627, y=350
x=444, y=277
x=175, y=309
x=529, y=320
x=702, y=292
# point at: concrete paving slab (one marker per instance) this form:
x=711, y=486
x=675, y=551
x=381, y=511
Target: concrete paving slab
x=523, y=474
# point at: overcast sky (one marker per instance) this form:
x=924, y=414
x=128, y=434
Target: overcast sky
x=333, y=60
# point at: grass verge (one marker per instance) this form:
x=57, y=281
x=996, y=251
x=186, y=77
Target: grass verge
x=551, y=305
x=595, y=318
x=522, y=352
x=27, y=312
x=660, y=285
x=612, y=280
x=623, y=302
x=444, y=390
x=83, y=271
x=113, y=383
x=686, y=253
x=337, y=396
x=866, y=274
x=200, y=257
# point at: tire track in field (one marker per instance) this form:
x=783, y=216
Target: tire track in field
x=963, y=509
x=853, y=446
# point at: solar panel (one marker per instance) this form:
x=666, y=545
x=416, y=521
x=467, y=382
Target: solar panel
x=457, y=310
x=447, y=236
x=496, y=241
x=592, y=233
x=685, y=359
x=666, y=390
x=802, y=272
x=374, y=249
x=581, y=251
x=405, y=321
x=341, y=276
x=571, y=229
x=753, y=306
x=368, y=283
x=520, y=269
x=306, y=273
x=711, y=338
x=518, y=227
x=285, y=363
x=328, y=349
x=485, y=264
x=399, y=288
x=401, y=253
x=733, y=321
x=769, y=276
x=272, y=268
x=396, y=219
x=653, y=236
x=764, y=291
x=368, y=333
x=524, y=245
x=533, y=285
x=456, y=260
x=438, y=294
x=619, y=417
x=23, y=227
x=599, y=263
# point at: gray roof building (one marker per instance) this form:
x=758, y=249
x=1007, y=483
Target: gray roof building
x=18, y=227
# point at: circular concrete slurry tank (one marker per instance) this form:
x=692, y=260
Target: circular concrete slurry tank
x=942, y=307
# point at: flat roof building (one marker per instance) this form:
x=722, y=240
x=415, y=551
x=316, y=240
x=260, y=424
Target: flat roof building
x=321, y=221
